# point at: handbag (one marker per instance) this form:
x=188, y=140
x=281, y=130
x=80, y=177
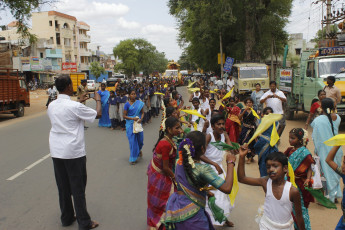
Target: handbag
x=137, y=127
x=317, y=183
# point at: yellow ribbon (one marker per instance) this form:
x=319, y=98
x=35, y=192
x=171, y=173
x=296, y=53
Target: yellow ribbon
x=274, y=136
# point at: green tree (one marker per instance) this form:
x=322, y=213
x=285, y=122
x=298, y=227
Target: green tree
x=138, y=55
x=321, y=34
x=21, y=11
x=96, y=69
x=248, y=28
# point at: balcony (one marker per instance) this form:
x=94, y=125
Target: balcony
x=84, y=27
x=85, y=52
x=84, y=66
x=84, y=38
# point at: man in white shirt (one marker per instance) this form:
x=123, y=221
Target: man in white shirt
x=67, y=149
x=274, y=98
x=230, y=83
x=219, y=83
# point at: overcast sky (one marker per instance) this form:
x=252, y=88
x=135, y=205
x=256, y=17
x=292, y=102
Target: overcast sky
x=112, y=21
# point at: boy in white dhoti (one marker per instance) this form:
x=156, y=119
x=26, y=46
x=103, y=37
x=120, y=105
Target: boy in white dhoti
x=214, y=157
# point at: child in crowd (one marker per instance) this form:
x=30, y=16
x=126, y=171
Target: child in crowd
x=113, y=110
x=262, y=146
x=196, y=122
x=248, y=127
x=121, y=103
x=340, y=170
x=233, y=123
x=281, y=196
x=238, y=103
x=214, y=157
x=301, y=160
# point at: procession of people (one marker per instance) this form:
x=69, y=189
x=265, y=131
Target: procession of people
x=192, y=181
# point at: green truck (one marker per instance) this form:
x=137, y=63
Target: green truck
x=302, y=85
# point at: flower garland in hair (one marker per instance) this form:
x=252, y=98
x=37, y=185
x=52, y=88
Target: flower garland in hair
x=187, y=144
x=162, y=126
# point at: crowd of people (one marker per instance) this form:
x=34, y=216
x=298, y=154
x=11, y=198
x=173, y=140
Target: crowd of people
x=190, y=175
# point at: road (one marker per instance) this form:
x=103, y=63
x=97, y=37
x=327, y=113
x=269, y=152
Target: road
x=116, y=191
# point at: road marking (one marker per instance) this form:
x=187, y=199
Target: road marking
x=28, y=168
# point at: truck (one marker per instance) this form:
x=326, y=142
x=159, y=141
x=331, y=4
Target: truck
x=302, y=84
x=76, y=79
x=14, y=93
x=247, y=75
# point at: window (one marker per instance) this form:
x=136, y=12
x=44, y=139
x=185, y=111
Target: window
x=50, y=23
x=298, y=51
x=311, y=69
x=65, y=26
x=58, y=42
x=41, y=55
x=56, y=24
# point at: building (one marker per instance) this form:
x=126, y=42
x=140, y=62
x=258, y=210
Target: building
x=83, y=40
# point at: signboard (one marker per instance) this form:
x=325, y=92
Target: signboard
x=36, y=64
x=72, y=66
x=219, y=61
x=332, y=51
x=25, y=63
x=46, y=63
x=285, y=80
x=228, y=64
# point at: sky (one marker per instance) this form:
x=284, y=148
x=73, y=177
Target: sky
x=112, y=21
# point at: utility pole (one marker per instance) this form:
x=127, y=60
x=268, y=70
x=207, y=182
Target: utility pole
x=272, y=66
x=221, y=55
x=328, y=17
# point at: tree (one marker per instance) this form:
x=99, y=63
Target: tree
x=96, y=69
x=21, y=11
x=139, y=55
x=321, y=34
x=248, y=28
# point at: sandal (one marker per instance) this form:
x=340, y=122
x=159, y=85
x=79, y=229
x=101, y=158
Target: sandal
x=141, y=154
x=133, y=163
x=70, y=223
x=228, y=223
x=93, y=225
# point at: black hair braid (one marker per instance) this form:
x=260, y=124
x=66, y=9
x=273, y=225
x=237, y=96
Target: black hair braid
x=169, y=123
x=188, y=169
x=328, y=103
x=199, y=140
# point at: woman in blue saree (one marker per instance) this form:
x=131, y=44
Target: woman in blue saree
x=104, y=121
x=133, y=111
x=262, y=146
x=324, y=127
x=186, y=207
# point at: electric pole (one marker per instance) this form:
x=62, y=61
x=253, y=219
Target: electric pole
x=328, y=17
x=221, y=55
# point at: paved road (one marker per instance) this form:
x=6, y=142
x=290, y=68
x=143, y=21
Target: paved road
x=116, y=191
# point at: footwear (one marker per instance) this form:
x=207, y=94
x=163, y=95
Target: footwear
x=70, y=223
x=141, y=154
x=133, y=163
x=228, y=223
x=92, y=225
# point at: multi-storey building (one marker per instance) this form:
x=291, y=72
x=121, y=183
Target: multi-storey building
x=83, y=39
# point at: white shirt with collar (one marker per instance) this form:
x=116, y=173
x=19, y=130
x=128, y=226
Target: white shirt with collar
x=230, y=84
x=275, y=103
x=66, y=138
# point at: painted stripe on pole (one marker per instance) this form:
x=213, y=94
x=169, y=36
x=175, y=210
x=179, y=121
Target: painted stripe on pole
x=28, y=168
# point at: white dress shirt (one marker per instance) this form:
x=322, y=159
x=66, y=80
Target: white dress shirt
x=230, y=84
x=66, y=138
x=275, y=103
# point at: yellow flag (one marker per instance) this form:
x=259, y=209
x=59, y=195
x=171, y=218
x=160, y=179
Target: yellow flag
x=191, y=84
x=254, y=113
x=194, y=112
x=195, y=125
x=265, y=123
x=157, y=93
x=274, y=135
x=212, y=91
x=166, y=86
x=291, y=174
x=228, y=94
x=337, y=140
x=234, y=190
x=194, y=89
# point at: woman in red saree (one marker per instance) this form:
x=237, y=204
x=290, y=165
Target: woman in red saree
x=233, y=123
x=160, y=174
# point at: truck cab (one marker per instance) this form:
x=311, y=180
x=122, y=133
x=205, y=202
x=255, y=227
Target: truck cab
x=246, y=75
x=315, y=66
